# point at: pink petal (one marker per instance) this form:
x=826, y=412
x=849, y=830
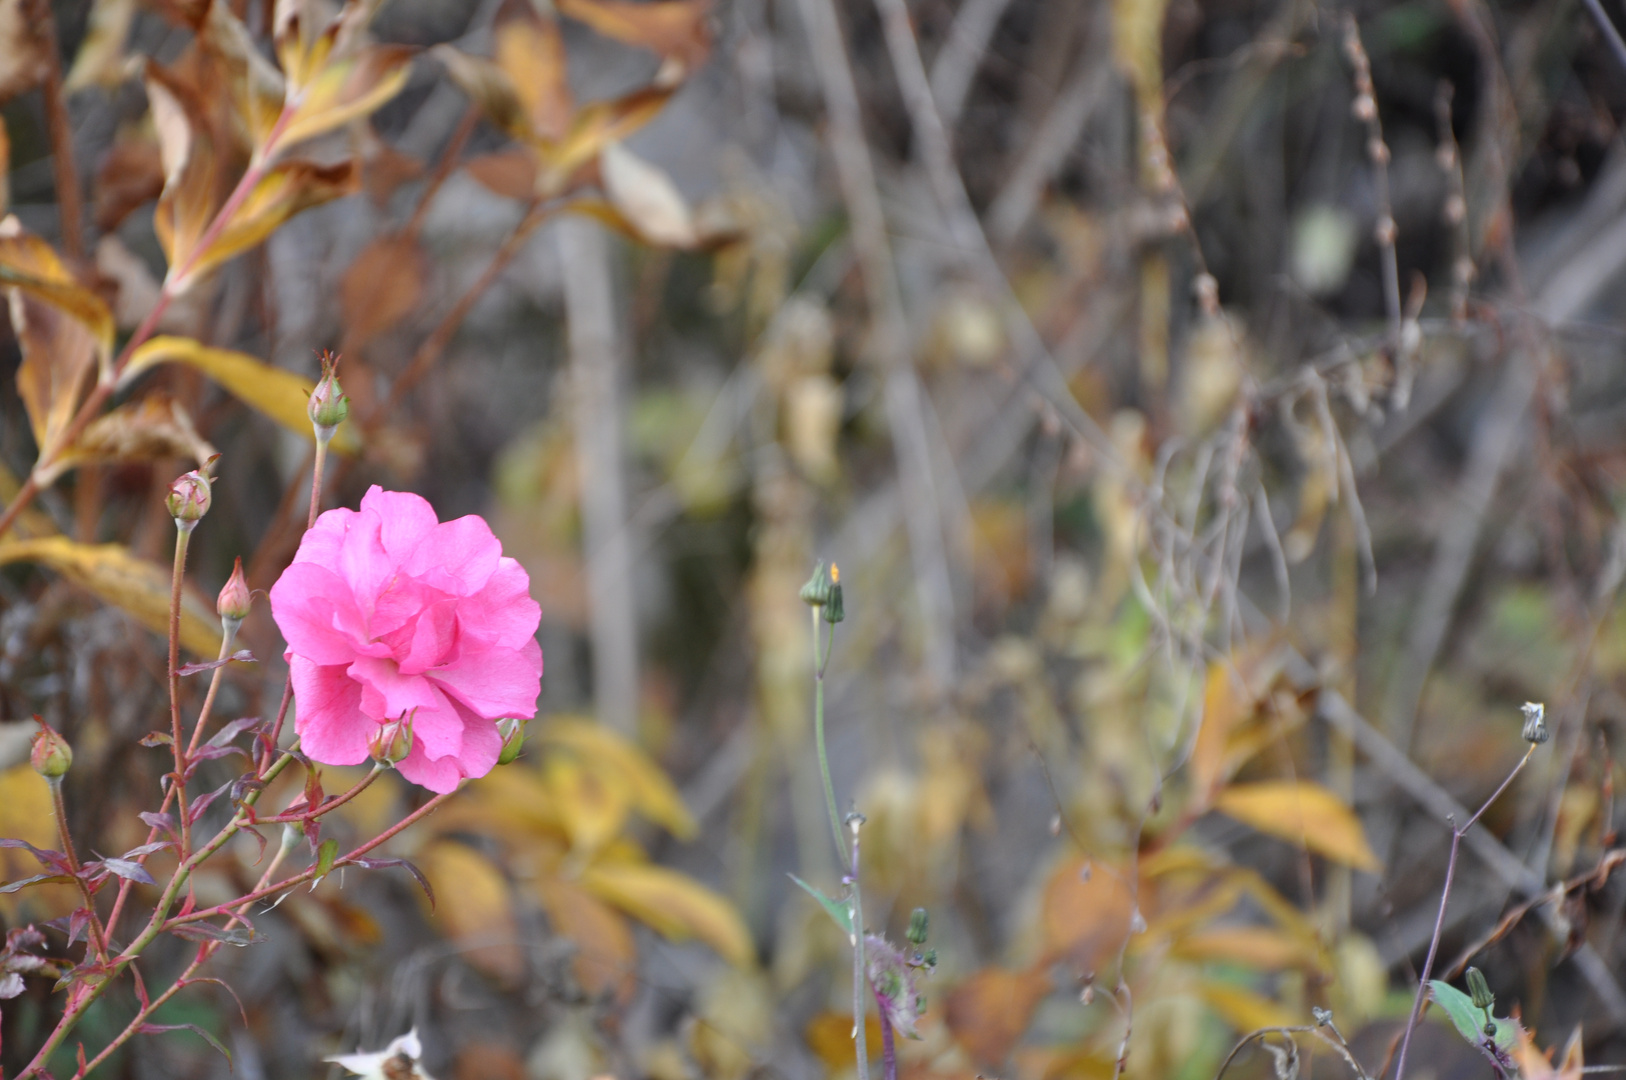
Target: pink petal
x=387, y=694
x=315, y=611
x=458, y=557
x=327, y=713
x=503, y=612
x=496, y=682
x=439, y=775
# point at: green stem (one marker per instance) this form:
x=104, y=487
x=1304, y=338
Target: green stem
x=860, y=978
x=819, y=662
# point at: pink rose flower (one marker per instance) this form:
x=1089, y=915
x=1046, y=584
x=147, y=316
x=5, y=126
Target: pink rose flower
x=393, y=616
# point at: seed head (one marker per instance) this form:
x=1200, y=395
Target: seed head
x=1535, y=723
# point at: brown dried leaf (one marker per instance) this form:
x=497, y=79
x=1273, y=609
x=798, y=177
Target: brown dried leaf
x=384, y=168
x=988, y=1012
x=676, y=29
x=190, y=162
x=511, y=173
x=382, y=286
x=24, y=59
x=154, y=427
x=130, y=175
x=531, y=51
x=1085, y=913
x=256, y=87
x=646, y=197
x=116, y=575
x=594, y=127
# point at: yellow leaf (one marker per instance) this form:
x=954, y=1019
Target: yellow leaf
x=605, y=952
x=473, y=906
x=652, y=793
x=1243, y=1009
x=594, y=126
x=675, y=29
x=1257, y=947
x=281, y=193
x=491, y=88
x=593, y=801
x=676, y=906
x=26, y=814
x=347, y=89
x=138, y=587
x=1303, y=813
x=830, y=1036
x=100, y=61
x=530, y=49
x=1225, y=702
x=278, y=393
x=30, y=522
x=64, y=331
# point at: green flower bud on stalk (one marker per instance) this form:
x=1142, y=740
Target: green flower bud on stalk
x=918, y=924
x=833, y=610
x=816, y=593
x=327, y=406
x=1535, y=723
x=50, y=753
x=392, y=742
x=1479, y=989
x=513, y=739
x=188, y=499
x=234, y=602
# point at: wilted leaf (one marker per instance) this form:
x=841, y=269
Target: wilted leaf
x=1243, y=1009
x=595, y=126
x=652, y=792
x=101, y=53
x=238, y=936
x=1535, y=1064
x=196, y=1029
x=676, y=29
x=154, y=427
x=605, y=952
x=24, y=61
x=530, y=50
x=988, y=1012
x=256, y=87
x=1085, y=913
x=278, y=393
x=130, y=175
x=1304, y=813
x=489, y=87
x=475, y=909
x=646, y=197
x=138, y=587
x=191, y=164
x=676, y=906
x=282, y=192
x=347, y=89
x=383, y=285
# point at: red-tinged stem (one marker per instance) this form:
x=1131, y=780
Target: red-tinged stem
x=98, y=939
x=291, y=816
x=183, y=536
x=1457, y=833
x=299, y=879
x=889, y=1057
x=173, y=285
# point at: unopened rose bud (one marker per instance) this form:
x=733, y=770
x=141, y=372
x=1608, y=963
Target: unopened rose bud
x=188, y=499
x=391, y=743
x=50, y=754
x=513, y=740
x=328, y=406
x=834, y=610
x=1535, y=723
x=234, y=602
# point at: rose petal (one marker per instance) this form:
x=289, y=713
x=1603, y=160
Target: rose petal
x=327, y=713
x=496, y=682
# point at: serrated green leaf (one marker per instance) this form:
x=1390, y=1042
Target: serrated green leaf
x=1470, y=1020
x=841, y=913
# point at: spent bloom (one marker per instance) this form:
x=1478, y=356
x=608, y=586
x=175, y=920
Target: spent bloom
x=393, y=618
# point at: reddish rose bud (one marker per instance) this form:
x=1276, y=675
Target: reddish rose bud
x=234, y=602
x=51, y=755
x=391, y=743
x=188, y=499
x=328, y=406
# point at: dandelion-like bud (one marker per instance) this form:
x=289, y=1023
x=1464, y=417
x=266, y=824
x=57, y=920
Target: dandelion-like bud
x=1479, y=989
x=1535, y=723
x=918, y=924
x=50, y=754
x=833, y=609
x=328, y=406
x=816, y=593
x=234, y=602
x=188, y=499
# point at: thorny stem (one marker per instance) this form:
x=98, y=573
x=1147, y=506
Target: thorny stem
x=98, y=939
x=183, y=536
x=290, y=816
x=819, y=664
x=174, y=283
x=1457, y=833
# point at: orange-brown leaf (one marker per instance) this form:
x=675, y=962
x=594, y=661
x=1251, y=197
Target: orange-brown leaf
x=510, y=173
x=24, y=59
x=489, y=87
x=988, y=1012
x=830, y=1036
x=1085, y=913
x=676, y=29
x=531, y=51
x=605, y=952
x=383, y=285
x=595, y=126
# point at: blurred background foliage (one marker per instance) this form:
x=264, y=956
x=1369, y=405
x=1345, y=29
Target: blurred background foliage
x=1217, y=448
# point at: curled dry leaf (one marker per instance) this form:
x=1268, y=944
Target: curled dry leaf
x=154, y=427
x=65, y=332
x=115, y=574
x=675, y=29
x=279, y=394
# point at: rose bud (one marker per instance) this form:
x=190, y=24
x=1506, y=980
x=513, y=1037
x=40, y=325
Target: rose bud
x=234, y=602
x=50, y=754
x=188, y=499
x=328, y=406
x=391, y=743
